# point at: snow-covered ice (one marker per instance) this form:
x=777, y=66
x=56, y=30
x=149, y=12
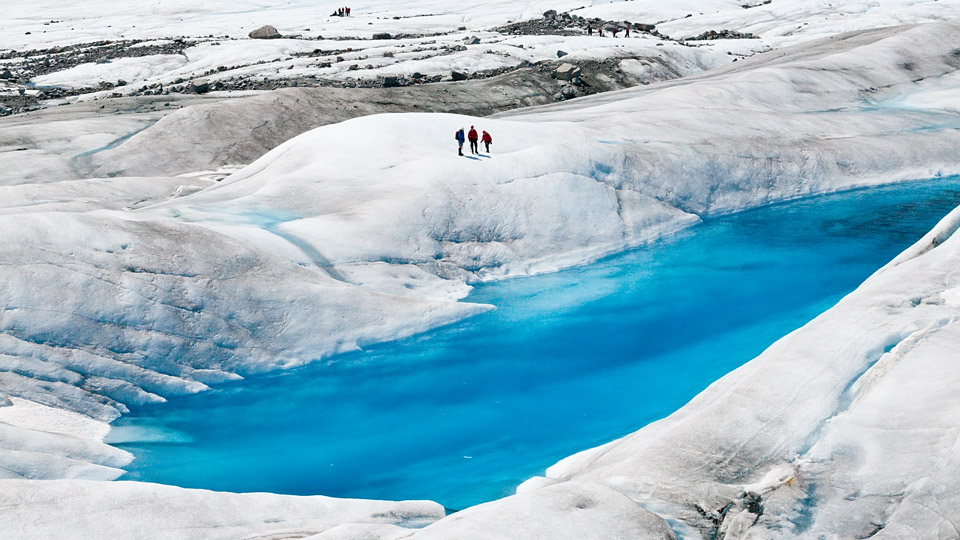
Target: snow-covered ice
x=372, y=229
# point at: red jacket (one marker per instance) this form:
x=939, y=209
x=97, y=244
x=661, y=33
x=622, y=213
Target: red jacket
x=472, y=135
x=487, y=137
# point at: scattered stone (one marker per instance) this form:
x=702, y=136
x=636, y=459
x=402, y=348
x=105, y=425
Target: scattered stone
x=473, y=40
x=382, y=35
x=390, y=82
x=121, y=82
x=388, y=54
x=5, y=74
x=353, y=67
x=265, y=32
x=458, y=76
x=722, y=34
x=550, y=14
x=561, y=54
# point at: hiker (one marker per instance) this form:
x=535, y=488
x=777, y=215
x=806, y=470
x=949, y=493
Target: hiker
x=340, y=12
x=589, y=30
x=460, y=138
x=626, y=31
x=600, y=31
x=487, y=140
x=614, y=31
x=346, y=11
x=472, y=135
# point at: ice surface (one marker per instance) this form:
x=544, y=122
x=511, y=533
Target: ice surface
x=168, y=296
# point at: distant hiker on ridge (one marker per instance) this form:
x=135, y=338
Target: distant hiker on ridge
x=473, y=136
x=460, y=138
x=487, y=140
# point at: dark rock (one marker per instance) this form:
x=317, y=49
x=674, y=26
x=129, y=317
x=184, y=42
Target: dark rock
x=389, y=82
x=550, y=14
x=265, y=32
x=199, y=86
x=561, y=54
x=473, y=40
x=121, y=82
x=457, y=76
x=382, y=35
x=5, y=74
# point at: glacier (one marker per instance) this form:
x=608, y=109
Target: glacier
x=132, y=289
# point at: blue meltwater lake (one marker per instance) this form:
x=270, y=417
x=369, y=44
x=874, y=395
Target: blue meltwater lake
x=567, y=361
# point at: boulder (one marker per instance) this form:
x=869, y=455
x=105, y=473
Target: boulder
x=550, y=14
x=5, y=74
x=265, y=32
x=458, y=76
x=472, y=40
x=382, y=35
x=391, y=81
x=561, y=54
x=566, y=72
x=199, y=86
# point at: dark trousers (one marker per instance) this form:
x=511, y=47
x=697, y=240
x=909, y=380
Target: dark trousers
x=474, y=147
x=485, y=143
x=460, y=147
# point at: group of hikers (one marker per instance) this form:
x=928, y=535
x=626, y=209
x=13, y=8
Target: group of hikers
x=341, y=12
x=612, y=29
x=474, y=139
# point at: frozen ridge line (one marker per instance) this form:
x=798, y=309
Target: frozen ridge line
x=189, y=291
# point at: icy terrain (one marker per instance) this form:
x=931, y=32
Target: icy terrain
x=131, y=289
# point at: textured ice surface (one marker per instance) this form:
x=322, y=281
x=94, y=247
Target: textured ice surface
x=153, y=301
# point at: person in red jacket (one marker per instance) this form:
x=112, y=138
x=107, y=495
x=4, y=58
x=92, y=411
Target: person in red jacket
x=487, y=140
x=472, y=135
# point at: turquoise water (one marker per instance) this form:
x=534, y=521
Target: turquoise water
x=568, y=361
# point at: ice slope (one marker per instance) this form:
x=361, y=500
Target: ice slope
x=370, y=229
x=138, y=510
x=846, y=428
x=569, y=182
